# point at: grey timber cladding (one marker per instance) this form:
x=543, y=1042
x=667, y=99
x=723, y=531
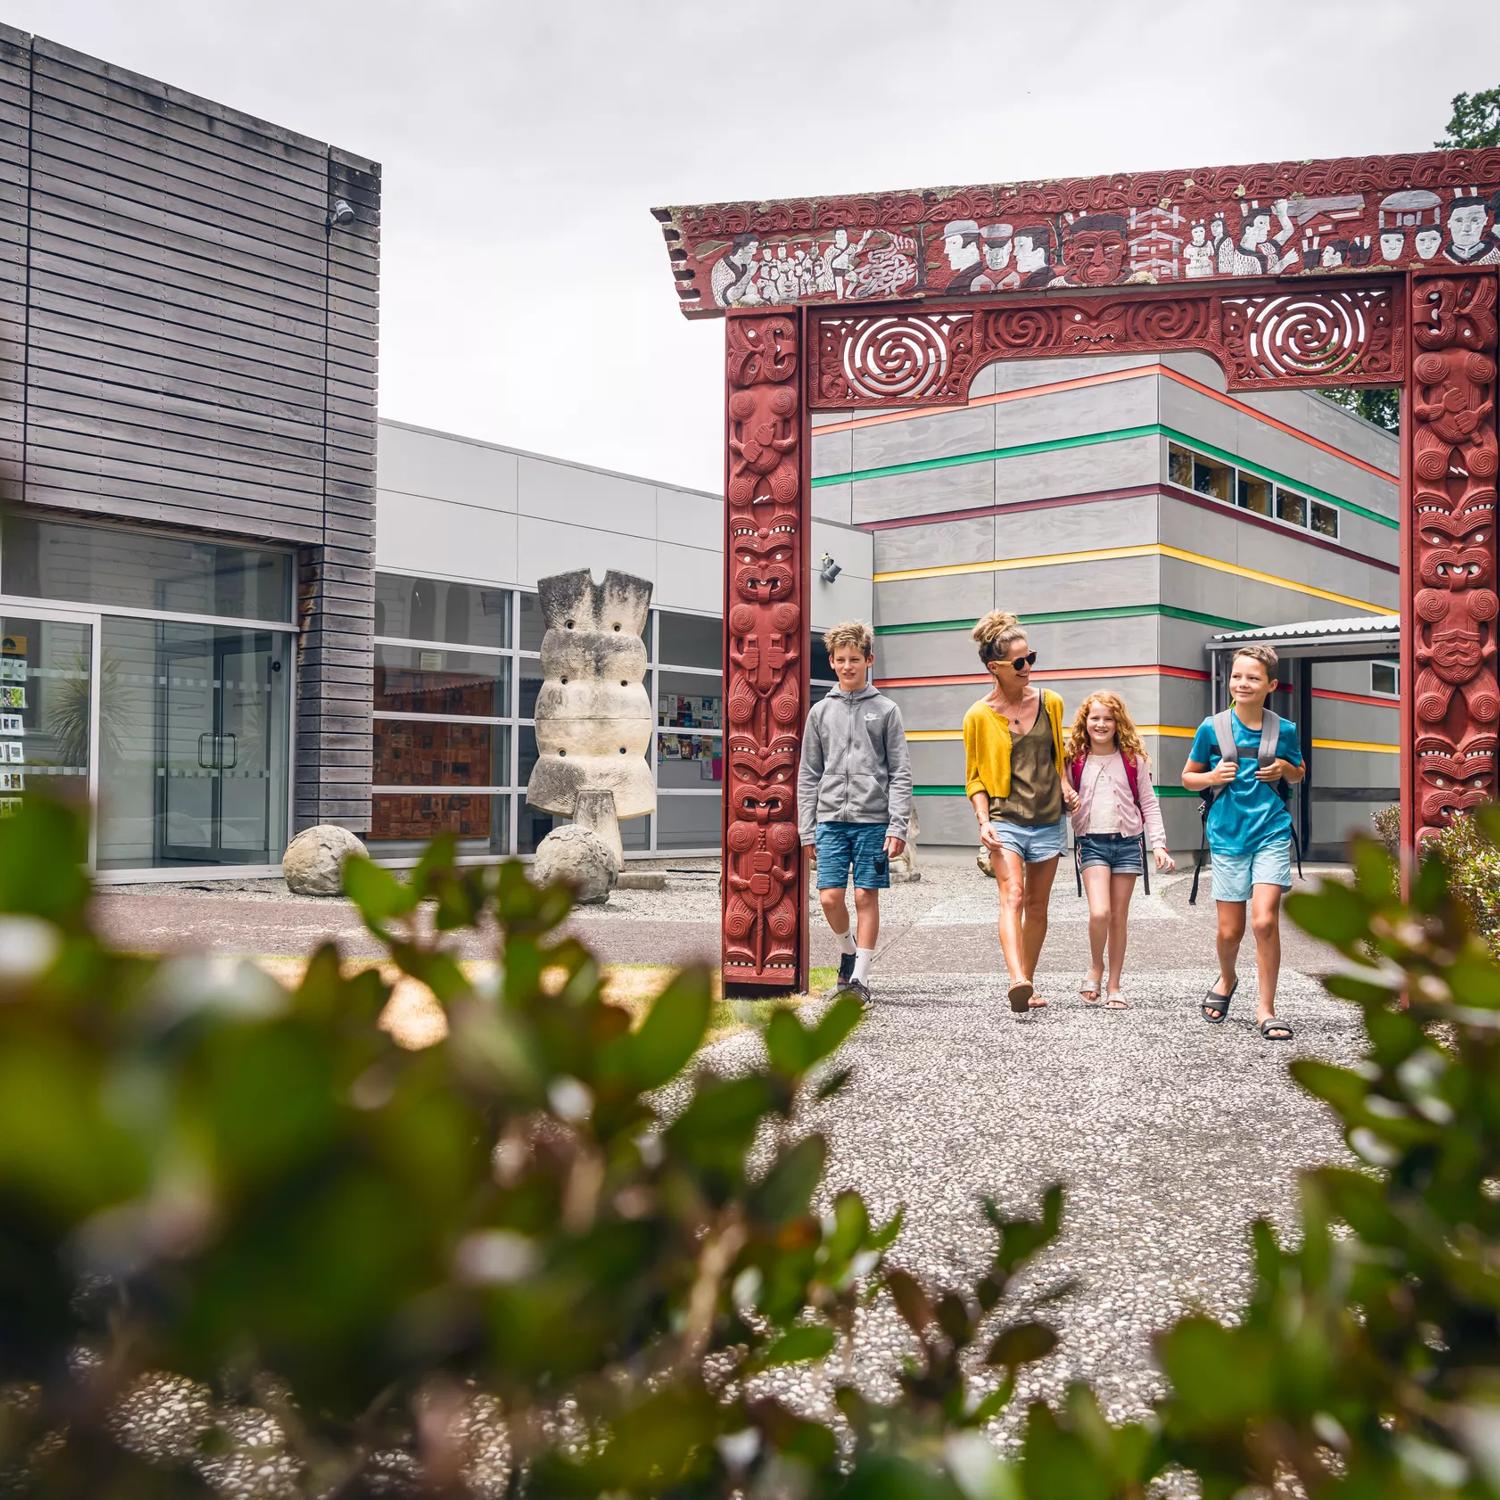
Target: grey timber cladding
x=183, y=341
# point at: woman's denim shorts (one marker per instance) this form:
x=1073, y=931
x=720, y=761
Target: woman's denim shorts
x=1118, y=852
x=1036, y=844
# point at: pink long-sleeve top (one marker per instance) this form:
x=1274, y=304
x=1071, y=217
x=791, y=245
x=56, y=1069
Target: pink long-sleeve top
x=1106, y=806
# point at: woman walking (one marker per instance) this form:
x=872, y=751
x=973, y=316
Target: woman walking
x=1015, y=778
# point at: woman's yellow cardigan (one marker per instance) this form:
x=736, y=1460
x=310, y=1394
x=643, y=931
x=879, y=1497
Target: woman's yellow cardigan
x=987, y=746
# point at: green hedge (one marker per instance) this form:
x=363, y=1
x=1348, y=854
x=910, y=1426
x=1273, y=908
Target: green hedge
x=244, y=1235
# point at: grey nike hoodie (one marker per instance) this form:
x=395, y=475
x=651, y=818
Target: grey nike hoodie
x=855, y=764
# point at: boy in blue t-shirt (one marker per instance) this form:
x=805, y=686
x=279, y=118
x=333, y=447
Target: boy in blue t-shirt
x=1249, y=834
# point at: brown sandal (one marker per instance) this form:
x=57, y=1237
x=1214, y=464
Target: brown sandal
x=1020, y=994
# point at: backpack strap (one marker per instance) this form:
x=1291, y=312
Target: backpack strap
x=1224, y=733
x=1270, y=735
x=1133, y=776
x=1075, y=772
x=1203, y=806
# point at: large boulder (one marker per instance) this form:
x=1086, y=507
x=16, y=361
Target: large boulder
x=579, y=857
x=314, y=861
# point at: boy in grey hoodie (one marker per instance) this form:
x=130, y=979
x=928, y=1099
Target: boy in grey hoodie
x=854, y=797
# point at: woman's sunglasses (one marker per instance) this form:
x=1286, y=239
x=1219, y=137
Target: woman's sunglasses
x=1029, y=659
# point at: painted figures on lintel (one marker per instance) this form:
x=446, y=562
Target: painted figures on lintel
x=1161, y=242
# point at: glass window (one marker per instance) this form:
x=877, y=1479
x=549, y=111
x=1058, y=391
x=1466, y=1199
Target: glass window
x=420, y=752
x=819, y=666
x=530, y=669
x=691, y=640
x=1385, y=678
x=687, y=823
x=687, y=701
x=428, y=609
x=46, y=667
x=692, y=762
x=413, y=680
x=1210, y=478
x=47, y=559
x=1291, y=508
x=1325, y=519
x=1179, y=466
x=533, y=627
x=193, y=734
x=533, y=825
x=527, y=754
x=1254, y=494
x=402, y=822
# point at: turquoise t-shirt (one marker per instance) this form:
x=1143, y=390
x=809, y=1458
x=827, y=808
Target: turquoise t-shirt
x=1247, y=814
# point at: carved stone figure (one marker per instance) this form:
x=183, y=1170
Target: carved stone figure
x=904, y=869
x=593, y=718
x=579, y=857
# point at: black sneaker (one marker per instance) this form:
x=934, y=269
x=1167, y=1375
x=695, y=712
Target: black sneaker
x=861, y=992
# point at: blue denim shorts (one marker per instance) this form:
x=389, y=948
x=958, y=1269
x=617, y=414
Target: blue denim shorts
x=1236, y=875
x=856, y=846
x=1036, y=844
x=1118, y=852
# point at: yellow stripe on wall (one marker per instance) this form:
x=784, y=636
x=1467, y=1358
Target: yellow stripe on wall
x=1142, y=549
x=1172, y=732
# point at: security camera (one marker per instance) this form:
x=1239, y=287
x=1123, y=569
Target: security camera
x=342, y=212
x=828, y=570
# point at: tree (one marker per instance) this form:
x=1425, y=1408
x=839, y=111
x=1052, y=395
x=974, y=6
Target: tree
x=1475, y=122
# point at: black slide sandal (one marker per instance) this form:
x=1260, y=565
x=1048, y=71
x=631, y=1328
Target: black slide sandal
x=1275, y=1023
x=1213, y=1000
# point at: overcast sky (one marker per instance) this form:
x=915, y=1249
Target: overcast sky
x=525, y=292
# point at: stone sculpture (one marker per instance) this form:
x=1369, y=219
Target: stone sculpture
x=593, y=717
x=904, y=869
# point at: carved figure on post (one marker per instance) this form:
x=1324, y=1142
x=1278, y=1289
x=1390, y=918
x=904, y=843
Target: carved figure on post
x=760, y=873
x=1452, y=779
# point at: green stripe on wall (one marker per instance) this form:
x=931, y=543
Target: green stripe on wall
x=958, y=791
x=1118, y=435
x=1069, y=616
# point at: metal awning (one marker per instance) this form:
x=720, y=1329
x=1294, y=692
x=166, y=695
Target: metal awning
x=1356, y=638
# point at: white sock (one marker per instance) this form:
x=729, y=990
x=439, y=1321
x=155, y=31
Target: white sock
x=862, y=957
x=846, y=940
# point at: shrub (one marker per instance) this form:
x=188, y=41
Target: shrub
x=243, y=1236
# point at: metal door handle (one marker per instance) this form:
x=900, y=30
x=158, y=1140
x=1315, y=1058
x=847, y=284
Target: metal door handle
x=234, y=752
x=205, y=765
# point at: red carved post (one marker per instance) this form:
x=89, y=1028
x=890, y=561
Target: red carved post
x=766, y=585
x=1451, y=700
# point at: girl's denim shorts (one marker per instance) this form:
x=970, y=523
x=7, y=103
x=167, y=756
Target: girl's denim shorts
x=1118, y=851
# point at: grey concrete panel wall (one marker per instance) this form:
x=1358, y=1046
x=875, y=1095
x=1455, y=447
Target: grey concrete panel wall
x=834, y=502
x=1066, y=414
x=917, y=601
x=924, y=493
x=1077, y=471
x=832, y=452
x=1309, y=412
x=931, y=435
x=446, y=539
x=1020, y=374
x=947, y=823
x=1127, y=522
x=927, y=546
x=937, y=762
x=414, y=461
x=1131, y=641
x=211, y=368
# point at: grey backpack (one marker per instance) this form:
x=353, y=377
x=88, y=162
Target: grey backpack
x=1270, y=733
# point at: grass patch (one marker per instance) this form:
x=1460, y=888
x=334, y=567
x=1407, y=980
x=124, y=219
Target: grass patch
x=415, y=1019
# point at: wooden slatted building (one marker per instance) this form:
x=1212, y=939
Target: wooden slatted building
x=188, y=347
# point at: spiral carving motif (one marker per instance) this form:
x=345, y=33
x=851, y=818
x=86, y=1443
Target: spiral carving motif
x=1267, y=340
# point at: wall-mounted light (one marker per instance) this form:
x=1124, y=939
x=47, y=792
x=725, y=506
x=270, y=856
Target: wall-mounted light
x=342, y=212
x=828, y=570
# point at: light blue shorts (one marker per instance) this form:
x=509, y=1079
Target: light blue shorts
x=1236, y=875
x=1035, y=844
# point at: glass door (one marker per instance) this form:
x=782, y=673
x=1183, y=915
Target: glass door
x=195, y=753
